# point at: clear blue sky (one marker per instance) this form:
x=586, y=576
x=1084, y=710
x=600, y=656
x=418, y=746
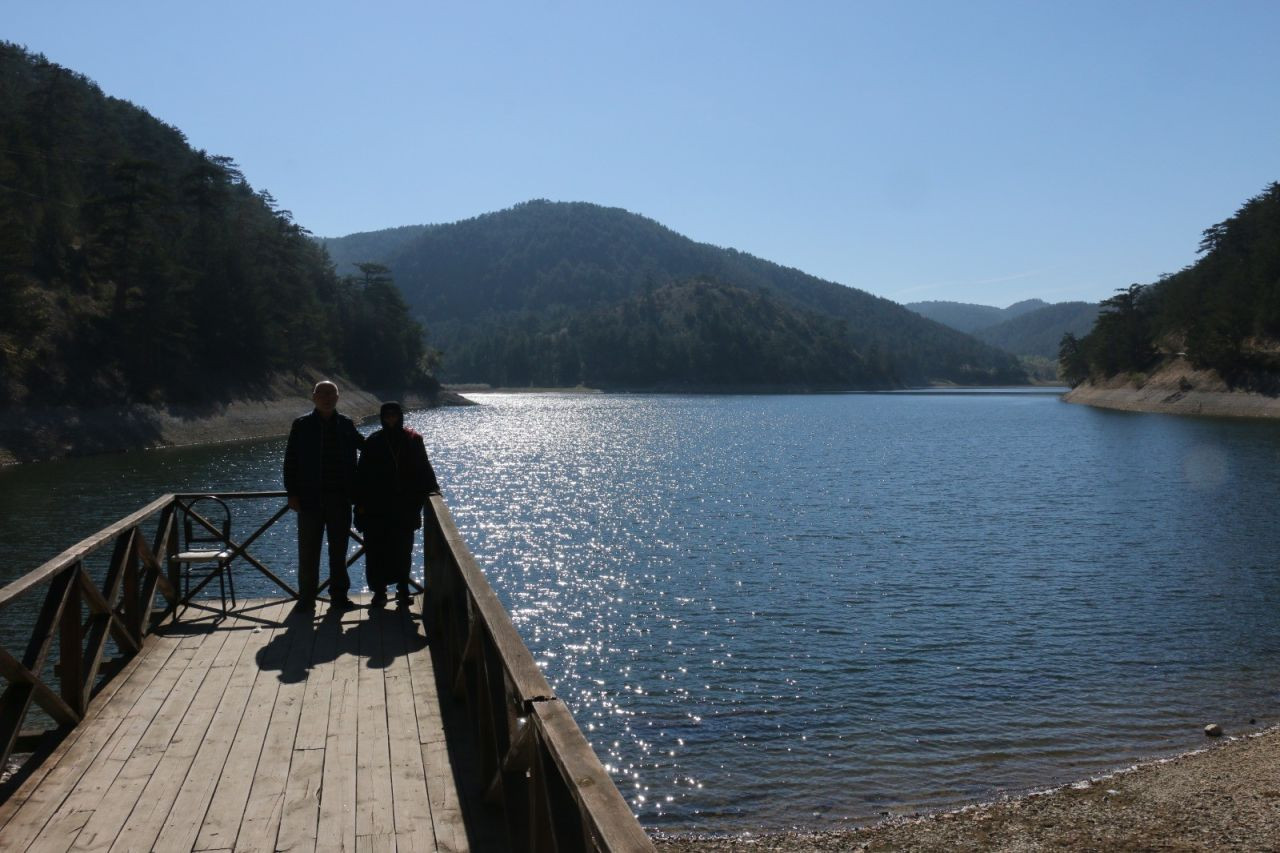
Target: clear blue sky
x=973, y=151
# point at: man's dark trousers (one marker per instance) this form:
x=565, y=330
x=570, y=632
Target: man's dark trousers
x=333, y=519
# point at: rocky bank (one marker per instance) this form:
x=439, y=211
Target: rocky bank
x=1176, y=389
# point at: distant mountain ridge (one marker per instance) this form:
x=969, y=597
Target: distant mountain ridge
x=346, y=252
x=1039, y=332
x=1031, y=327
x=968, y=317
x=512, y=297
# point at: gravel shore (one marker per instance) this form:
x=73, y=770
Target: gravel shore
x=1222, y=798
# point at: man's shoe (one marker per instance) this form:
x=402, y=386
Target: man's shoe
x=341, y=602
x=404, y=598
x=379, y=599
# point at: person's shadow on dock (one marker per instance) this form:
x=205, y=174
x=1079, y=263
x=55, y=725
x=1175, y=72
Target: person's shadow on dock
x=300, y=643
x=384, y=635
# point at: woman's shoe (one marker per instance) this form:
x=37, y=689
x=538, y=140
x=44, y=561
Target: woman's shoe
x=379, y=599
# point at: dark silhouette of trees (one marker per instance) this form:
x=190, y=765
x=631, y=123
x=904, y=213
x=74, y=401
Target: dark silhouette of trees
x=137, y=269
x=1222, y=312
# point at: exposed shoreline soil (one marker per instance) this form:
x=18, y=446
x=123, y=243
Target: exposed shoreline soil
x=45, y=433
x=1176, y=389
x=1225, y=797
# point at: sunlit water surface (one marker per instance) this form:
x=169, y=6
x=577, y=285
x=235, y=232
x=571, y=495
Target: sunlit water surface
x=772, y=612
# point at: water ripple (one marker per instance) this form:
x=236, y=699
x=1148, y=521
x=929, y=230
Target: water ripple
x=770, y=612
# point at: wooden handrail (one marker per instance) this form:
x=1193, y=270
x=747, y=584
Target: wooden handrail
x=83, y=613
x=77, y=552
x=230, y=496
x=555, y=793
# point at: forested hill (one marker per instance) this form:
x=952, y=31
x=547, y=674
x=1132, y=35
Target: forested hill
x=1222, y=313
x=517, y=297
x=969, y=318
x=136, y=269
x=354, y=249
x=1039, y=332
x=1032, y=327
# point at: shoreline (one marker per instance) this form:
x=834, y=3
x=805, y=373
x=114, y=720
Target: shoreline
x=478, y=390
x=1224, y=796
x=1176, y=388
x=50, y=433
x=753, y=390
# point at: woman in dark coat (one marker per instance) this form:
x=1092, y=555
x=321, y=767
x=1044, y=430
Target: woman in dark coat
x=393, y=479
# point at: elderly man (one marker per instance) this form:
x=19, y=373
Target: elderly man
x=320, y=475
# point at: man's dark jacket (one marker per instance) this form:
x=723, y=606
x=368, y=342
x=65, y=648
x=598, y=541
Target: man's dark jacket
x=395, y=476
x=304, y=460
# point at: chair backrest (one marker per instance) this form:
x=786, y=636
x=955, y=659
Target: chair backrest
x=216, y=512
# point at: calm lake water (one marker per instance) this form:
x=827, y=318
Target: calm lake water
x=774, y=612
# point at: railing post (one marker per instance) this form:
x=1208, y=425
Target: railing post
x=171, y=551
x=71, y=645
x=131, y=589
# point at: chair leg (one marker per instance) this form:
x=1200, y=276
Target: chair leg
x=231, y=582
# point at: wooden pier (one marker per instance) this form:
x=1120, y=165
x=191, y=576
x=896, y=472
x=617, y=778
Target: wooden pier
x=273, y=727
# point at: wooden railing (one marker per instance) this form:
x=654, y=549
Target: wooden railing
x=536, y=763
x=119, y=608
x=82, y=613
x=555, y=793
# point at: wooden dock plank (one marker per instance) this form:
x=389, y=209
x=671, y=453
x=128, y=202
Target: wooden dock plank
x=412, y=805
x=229, y=678
x=101, y=773
x=181, y=827
x=425, y=697
x=416, y=842
x=301, y=812
x=374, y=811
x=265, y=806
x=222, y=820
x=117, y=804
x=446, y=805
x=443, y=796
x=336, y=827
x=384, y=842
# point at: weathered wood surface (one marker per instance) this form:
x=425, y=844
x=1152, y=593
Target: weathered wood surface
x=272, y=729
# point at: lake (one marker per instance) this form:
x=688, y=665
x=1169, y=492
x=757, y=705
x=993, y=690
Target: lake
x=806, y=611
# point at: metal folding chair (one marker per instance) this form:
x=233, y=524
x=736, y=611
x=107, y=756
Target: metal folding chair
x=202, y=547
